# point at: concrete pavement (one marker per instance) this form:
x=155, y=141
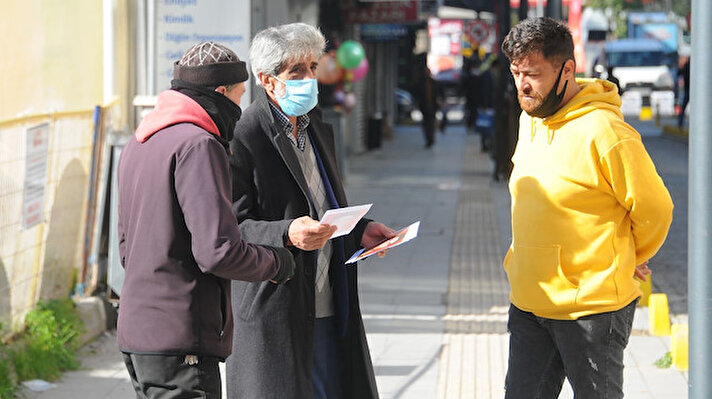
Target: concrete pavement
x=435, y=308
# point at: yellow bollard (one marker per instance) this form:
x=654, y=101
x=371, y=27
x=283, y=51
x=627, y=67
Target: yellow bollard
x=646, y=113
x=647, y=287
x=658, y=315
x=679, y=346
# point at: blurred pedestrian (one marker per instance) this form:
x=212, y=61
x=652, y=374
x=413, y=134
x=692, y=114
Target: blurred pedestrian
x=441, y=98
x=613, y=79
x=685, y=73
x=178, y=240
x=425, y=92
x=470, y=87
x=584, y=223
x=305, y=338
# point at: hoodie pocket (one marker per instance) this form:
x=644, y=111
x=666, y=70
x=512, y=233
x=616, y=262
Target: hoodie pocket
x=537, y=278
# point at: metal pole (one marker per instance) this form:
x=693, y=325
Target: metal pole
x=523, y=9
x=700, y=194
x=151, y=47
x=503, y=136
x=553, y=9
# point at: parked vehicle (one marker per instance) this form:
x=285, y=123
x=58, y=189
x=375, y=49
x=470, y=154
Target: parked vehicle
x=637, y=63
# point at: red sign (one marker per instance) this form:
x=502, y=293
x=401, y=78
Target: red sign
x=534, y=3
x=477, y=31
x=575, y=7
x=379, y=13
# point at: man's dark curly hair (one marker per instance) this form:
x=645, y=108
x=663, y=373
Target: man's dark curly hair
x=545, y=35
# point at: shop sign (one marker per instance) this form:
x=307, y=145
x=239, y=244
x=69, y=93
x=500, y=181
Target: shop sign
x=383, y=32
x=379, y=13
x=179, y=24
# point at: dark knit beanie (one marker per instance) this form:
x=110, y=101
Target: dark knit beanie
x=210, y=64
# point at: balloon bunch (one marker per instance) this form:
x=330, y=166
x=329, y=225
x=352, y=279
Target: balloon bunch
x=345, y=66
x=352, y=57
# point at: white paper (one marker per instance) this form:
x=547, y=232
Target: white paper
x=344, y=219
x=401, y=236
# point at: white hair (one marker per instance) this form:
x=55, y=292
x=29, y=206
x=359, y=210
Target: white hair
x=275, y=47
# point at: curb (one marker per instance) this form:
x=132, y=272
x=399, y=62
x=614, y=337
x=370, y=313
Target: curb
x=676, y=132
x=97, y=314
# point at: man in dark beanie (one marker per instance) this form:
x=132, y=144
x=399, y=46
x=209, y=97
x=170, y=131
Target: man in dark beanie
x=179, y=242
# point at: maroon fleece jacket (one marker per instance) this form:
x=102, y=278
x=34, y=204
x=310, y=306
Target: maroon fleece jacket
x=179, y=241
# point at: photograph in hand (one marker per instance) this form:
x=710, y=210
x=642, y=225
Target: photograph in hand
x=401, y=236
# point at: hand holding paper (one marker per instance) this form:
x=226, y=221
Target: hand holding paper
x=308, y=234
x=344, y=219
x=404, y=235
x=375, y=233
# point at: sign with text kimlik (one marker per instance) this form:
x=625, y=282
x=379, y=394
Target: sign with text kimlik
x=183, y=23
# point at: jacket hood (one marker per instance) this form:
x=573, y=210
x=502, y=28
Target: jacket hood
x=172, y=108
x=595, y=94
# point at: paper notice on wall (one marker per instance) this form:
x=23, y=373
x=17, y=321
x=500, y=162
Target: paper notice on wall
x=36, y=147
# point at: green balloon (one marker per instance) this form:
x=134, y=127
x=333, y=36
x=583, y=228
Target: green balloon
x=350, y=54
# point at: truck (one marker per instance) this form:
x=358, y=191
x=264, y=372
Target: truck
x=659, y=26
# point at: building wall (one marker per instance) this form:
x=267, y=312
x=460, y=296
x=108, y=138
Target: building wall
x=51, y=72
x=52, y=55
x=42, y=261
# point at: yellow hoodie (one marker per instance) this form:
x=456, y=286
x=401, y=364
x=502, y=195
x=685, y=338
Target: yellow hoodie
x=587, y=207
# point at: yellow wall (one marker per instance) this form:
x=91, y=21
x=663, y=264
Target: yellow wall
x=51, y=60
x=51, y=56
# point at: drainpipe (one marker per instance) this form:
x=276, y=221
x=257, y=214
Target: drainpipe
x=109, y=91
x=109, y=27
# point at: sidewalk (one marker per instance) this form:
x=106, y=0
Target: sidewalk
x=435, y=309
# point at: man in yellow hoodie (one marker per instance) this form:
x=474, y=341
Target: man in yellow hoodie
x=588, y=212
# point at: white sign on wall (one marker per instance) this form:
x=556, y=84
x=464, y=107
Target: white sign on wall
x=36, y=148
x=183, y=23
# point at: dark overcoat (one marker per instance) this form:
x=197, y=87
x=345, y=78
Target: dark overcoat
x=274, y=324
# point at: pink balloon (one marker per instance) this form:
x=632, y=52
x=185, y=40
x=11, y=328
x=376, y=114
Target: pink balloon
x=360, y=71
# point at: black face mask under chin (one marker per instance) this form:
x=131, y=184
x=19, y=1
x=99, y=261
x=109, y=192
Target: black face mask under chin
x=552, y=101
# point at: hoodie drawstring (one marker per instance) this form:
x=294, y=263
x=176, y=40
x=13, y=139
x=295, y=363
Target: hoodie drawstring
x=549, y=131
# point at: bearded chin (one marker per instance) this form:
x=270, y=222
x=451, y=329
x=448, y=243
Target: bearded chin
x=549, y=104
x=531, y=104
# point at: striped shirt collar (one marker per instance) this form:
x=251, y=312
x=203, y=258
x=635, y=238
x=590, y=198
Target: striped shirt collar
x=287, y=127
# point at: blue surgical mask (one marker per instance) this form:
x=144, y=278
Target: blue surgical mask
x=300, y=96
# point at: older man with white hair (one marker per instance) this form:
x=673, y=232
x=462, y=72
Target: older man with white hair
x=304, y=338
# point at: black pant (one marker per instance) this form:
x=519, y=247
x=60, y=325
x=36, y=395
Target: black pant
x=685, y=101
x=428, y=124
x=589, y=351
x=168, y=376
